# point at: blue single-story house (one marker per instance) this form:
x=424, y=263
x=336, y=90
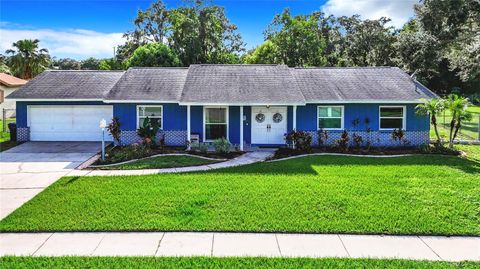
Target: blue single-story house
x=247, y=104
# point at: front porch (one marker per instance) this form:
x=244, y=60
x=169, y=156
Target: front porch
x=246, y=127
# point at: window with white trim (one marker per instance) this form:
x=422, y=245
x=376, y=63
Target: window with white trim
x=330, y=117
x=216, y=122
x=392, y=117
x=151, y=112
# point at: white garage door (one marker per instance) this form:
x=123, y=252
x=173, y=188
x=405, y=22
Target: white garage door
x=68, y=123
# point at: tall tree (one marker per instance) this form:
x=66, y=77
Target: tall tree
x=266, y=53
x=298, y=39
x=202, y=33
x=153, y=54
x=111, y=64
x=150, y=25
x=417, y=51
x=456, y=26
x=197, y=32
x=3, y=65
x=66, y=64
x=368, y=42
x=90, y=64
x=27, y=59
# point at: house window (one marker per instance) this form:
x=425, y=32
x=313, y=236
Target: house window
x=392, y=117
x=152, y=112
x=330, y=117
x=216, y=123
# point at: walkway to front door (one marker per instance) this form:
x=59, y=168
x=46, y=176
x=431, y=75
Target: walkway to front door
x=269, y=124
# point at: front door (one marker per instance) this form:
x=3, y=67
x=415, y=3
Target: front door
x=269, y=125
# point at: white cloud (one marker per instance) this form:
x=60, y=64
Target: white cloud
x=400, y=11
x=75, y=43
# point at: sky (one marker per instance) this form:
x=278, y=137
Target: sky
x=81, y=29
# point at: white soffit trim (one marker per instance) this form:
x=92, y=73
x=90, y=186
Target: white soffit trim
x=140, y=101
x=240, y=104
x=56, y=100
x=364, y=102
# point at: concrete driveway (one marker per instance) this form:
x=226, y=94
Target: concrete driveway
x=29, y=168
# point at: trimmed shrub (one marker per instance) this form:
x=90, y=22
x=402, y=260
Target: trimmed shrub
x=222, y=145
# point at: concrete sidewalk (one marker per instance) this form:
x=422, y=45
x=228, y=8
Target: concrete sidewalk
x=240, y=244
x=247, y=158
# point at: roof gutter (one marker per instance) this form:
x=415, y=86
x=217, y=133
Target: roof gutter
x=365, y=102
x=140, y=101
x=54, y=100
x=238, y=104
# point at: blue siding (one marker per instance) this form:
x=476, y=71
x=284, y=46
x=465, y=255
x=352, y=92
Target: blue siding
x=234, y=124
x=307, y=117
x=127, y=116
x=174, y=116
x=196, y=120
x=290, y=118
x=247, y=128
x=416, y=122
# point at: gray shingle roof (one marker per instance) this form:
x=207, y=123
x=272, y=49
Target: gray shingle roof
x=241, y=84
x=358, y=84
x=68, y=85
x=229, y=84
x=162, y=84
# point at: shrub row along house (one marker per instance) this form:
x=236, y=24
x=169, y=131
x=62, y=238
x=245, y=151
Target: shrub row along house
x=247, y=104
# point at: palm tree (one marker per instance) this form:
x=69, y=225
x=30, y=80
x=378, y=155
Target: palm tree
x=458, y=106
x=432, y=107
x=27, y=59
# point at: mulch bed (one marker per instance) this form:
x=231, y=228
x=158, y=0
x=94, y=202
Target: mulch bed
x=110, y=150
x=288, y=152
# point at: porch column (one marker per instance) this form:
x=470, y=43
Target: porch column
x=188, y=127
x=294, y=122
x=294, y=118
x=241, y=128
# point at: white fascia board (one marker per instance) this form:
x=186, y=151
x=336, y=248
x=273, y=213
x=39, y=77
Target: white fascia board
x=364, y=102
x=140, y=101
x=240, y=104
x=55, y=100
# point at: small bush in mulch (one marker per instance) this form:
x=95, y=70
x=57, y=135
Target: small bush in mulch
x=430, y=149
x=117, y=154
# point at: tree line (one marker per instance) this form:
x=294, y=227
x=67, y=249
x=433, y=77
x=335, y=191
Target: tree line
x=440, y=45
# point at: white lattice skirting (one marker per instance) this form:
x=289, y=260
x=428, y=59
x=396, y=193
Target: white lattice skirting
x=23, y=134
x=172, y=138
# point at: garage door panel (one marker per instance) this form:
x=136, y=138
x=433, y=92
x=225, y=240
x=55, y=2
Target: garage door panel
x=68, y=123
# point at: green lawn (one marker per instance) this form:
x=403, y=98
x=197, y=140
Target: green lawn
x=468, y=131
x=161, y=162
x=5, y=142
x=321, y=194
x=5, y=136
x=204, y=262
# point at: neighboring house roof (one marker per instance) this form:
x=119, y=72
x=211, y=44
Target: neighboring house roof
x=363, y=84
x=241, y=84
x=11, y=81
x=147, y=84
x=230, y=85
x=75, y=85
